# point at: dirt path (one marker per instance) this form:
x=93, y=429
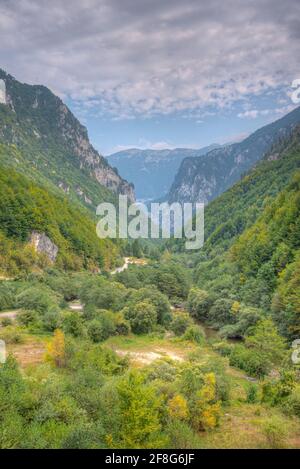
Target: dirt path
x=118, y=270
x=128, y=261
x=10, y=314
x=76, y=306
x=146, y=358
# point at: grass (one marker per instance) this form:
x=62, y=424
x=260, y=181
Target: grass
x=245, y=426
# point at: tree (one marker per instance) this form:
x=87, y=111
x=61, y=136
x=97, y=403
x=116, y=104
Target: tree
x=136, y=249
x=56, y=352
x=180, y=323
x=178, y=407
x=199, y=303
x=73, y=324
x=221, y=312
x=266, y=340
x=206, y=409
x=157, y=299
x=142, y=317
x=140, y=409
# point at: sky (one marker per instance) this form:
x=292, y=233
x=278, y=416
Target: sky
x=158, y=73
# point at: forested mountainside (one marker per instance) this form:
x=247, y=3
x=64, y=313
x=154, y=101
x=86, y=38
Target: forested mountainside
x=204, y=179
x=252, y=248
x=29, y=211
x=55, y=145
x=152, y=171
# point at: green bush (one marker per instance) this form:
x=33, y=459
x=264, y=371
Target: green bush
x=251, y=361
x=220, y=313
x=7, y=296
x=11, y=335
x=252, y=394
x=157, y=299
x=291, y=404
x=122, y=326
x=37, y=298
x=52, y=319
x=26, y=318
x=195, y=334
x=181, y=435
x=199, y=303
x=180, y=323
x=6, y=322
x=275, y=432
x=142, y=317
x=223, y=348
x=72, y=324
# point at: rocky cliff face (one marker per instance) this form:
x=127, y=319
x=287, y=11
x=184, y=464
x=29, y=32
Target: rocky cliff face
x=43, y=245
x=203, y=179
x=55, y=141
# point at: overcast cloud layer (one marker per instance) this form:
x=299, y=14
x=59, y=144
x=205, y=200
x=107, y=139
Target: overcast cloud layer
x=128, y=58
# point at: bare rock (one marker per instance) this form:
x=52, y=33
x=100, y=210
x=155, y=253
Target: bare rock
x=43, y=244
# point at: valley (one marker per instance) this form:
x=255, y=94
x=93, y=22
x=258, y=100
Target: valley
x=132, y=343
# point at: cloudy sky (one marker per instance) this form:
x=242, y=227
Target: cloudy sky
x=158, y=73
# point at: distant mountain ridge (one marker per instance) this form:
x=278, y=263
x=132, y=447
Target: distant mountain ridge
x=152, y=171
x=54, y=144
x=203, y=179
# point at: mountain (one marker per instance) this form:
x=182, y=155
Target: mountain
x=203, y=179
x=230, y=214
x=40, y=227
x=54, y=145
x=152, y=171
x=251, y=252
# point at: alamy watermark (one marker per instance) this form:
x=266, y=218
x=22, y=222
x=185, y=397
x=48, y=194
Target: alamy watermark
x=296, y=351
x=161, y=221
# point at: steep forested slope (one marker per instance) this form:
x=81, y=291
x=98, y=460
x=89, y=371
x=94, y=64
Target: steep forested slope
x=55, y=145
x=26, y=207
x=251, y=253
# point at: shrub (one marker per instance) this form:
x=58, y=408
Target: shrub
x=6, y=322
x=275, y=391
x=267, y=342
x=142, y=317
x=221, y=312
x=251, y=361
x=39, y=299
x=157, y=299
x=195, y=333
x=72, y=324
x=246, y=318
x=122, y=326
x=275, y=432
x=11, y=335
x=101, y=328
x=56, y=349
x=205, y=409
x=252, y=392
x=199, y=303
x=223, y=348
x=178, y=407
x=180, y=323
x=27, y=318
x=182, y=436
x=52, y=319
x=292, y=403
x=7, y=296
x=95, y=331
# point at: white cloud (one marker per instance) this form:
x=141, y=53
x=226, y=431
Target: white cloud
x=127, y=58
